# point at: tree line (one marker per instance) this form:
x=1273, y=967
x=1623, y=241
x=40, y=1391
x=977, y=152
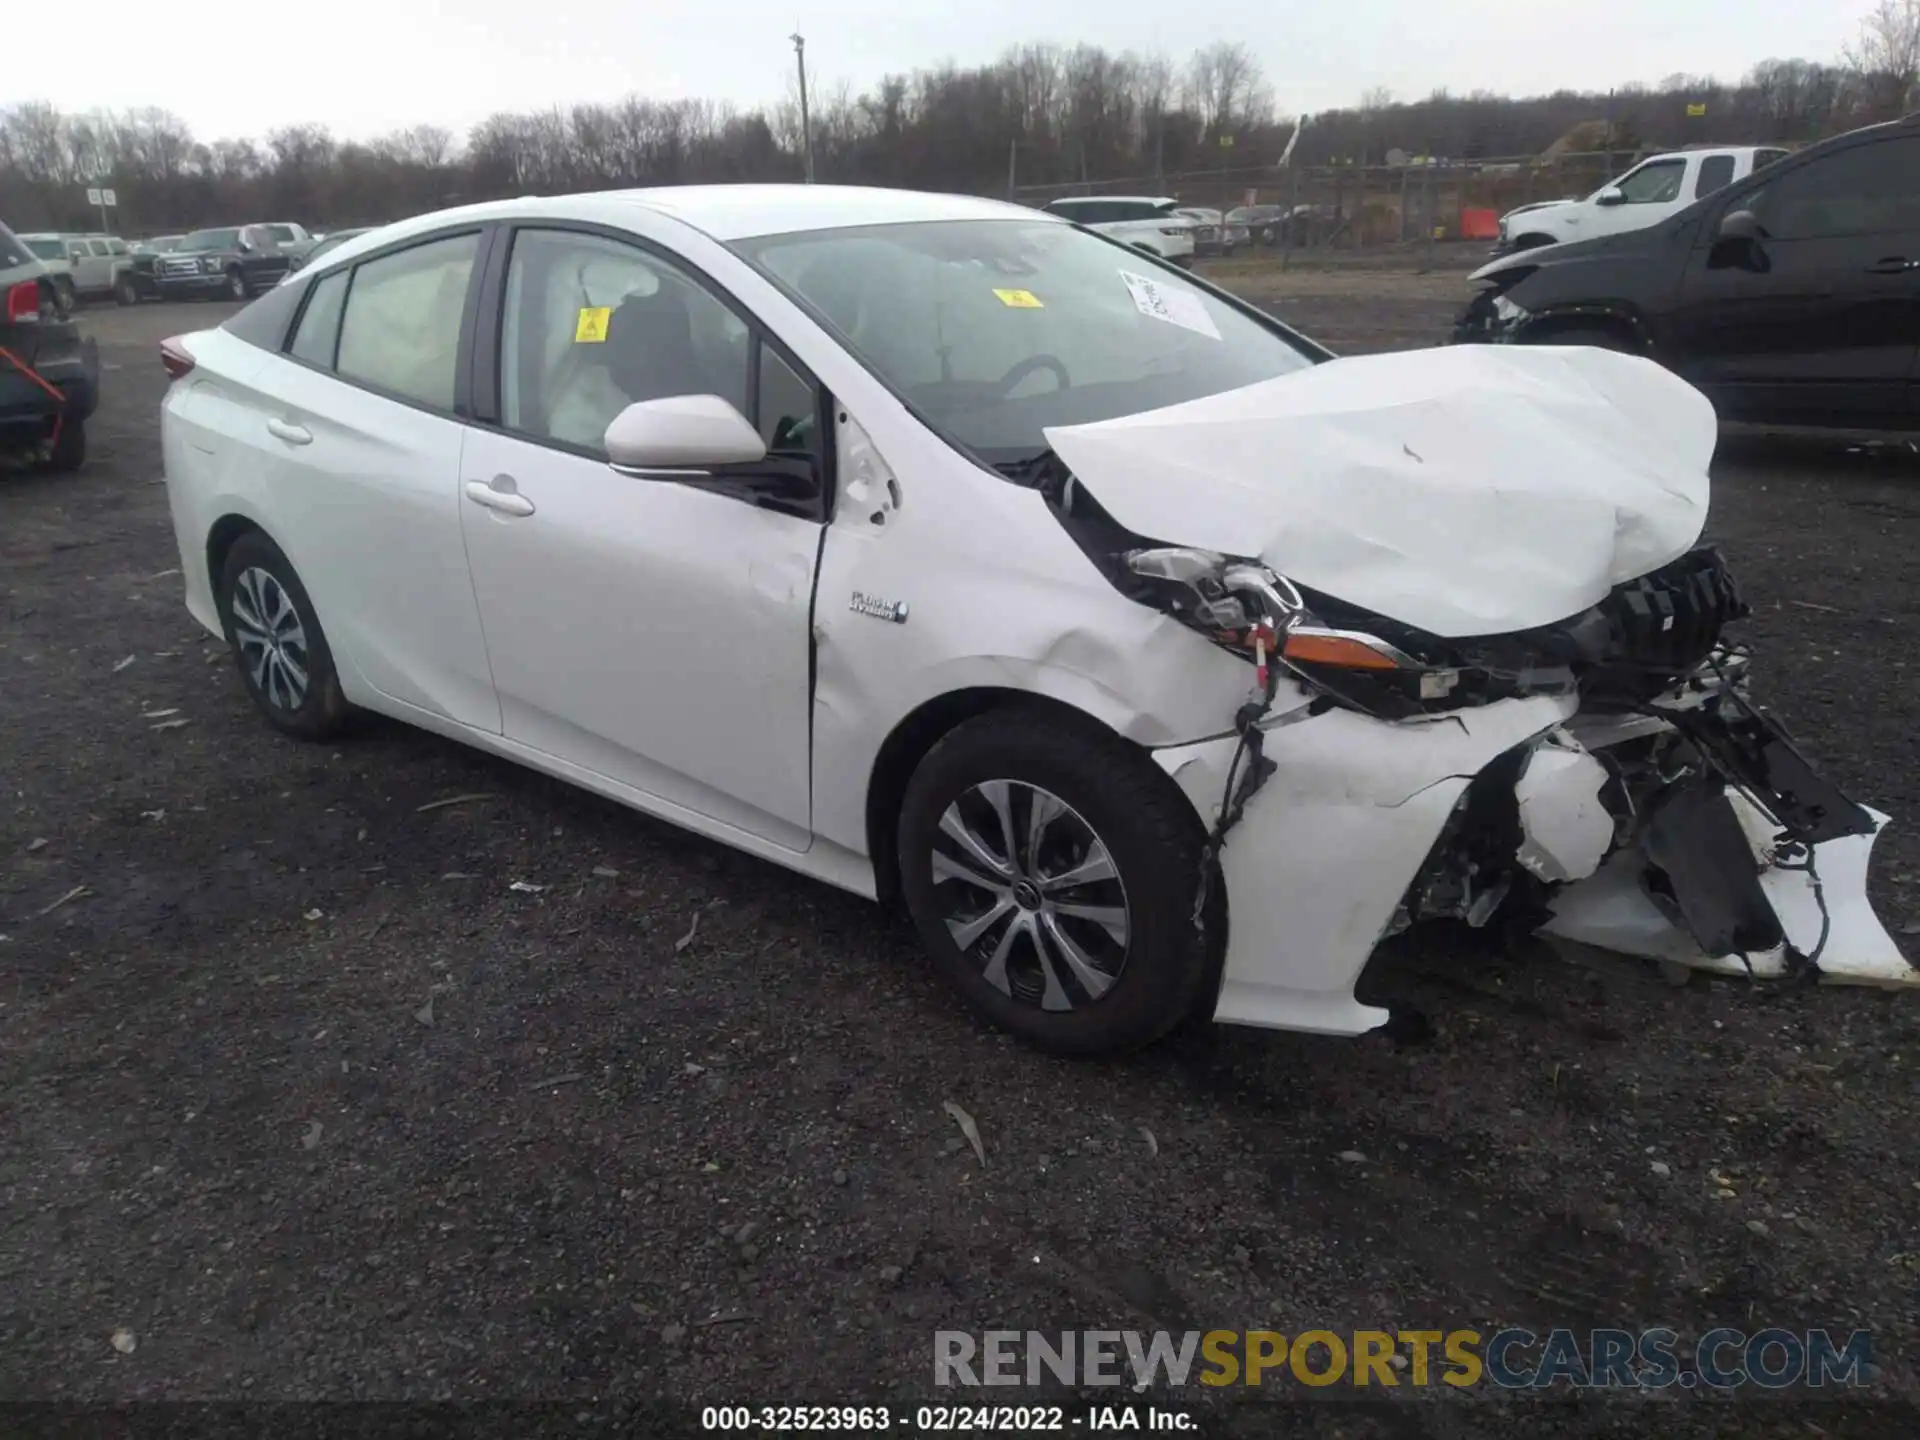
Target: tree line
x=1041, y=115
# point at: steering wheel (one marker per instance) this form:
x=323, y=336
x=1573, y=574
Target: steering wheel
x=1028, y=366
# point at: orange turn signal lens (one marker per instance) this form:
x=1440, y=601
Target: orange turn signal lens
x=1325, y=647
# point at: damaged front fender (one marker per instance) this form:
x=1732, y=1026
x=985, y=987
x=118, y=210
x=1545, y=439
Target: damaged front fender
x=1317, y=868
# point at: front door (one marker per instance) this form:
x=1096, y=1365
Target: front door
x=1647, y=195
x=652, y=631
x=1818, y=319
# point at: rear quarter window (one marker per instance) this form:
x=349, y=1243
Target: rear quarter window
x=265, y=322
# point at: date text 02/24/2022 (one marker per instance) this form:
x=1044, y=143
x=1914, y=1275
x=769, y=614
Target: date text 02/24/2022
x=942, y=1419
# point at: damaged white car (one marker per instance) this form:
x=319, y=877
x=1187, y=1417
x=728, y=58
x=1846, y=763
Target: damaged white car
x=936, y=548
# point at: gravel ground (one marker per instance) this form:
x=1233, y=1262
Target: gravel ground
x=302, y=1095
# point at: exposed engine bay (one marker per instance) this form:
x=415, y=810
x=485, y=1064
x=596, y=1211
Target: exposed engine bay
x=1665, y=816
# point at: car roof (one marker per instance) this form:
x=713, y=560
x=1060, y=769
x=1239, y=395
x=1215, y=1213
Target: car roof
x=1129, y=199
x=736, y=212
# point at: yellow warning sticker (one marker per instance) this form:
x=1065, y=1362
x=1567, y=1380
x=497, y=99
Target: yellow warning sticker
x=591, y=327
x=1019, y=299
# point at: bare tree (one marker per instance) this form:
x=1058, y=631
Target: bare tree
x=1885, y=56
x=1226, y=85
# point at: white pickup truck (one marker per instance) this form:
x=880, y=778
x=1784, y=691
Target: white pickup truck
x=1657, y=187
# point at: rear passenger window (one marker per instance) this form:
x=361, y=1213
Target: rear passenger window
x=1716, y=173
x=319, y=329
x=401, y=329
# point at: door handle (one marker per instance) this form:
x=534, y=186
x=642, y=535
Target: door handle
x=289, y=432
x=507, y=502
x=1893, y=265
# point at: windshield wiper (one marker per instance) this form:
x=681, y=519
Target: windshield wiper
x=1032, y=470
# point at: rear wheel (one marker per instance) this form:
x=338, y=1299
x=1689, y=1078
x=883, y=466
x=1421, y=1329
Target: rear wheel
x=1051, y=871
x=278, y=643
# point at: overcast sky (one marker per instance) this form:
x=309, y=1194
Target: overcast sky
x=367, y=66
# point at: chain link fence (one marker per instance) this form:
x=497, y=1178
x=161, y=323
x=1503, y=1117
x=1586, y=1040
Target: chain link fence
x=1356, y=207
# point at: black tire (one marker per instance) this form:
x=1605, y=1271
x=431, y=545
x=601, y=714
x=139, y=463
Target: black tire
x=1595, y=336
x=63, y=295
x=237, y=288
x=1147, y=828
x=69, y=452
x=124, y=292
x=320, y=709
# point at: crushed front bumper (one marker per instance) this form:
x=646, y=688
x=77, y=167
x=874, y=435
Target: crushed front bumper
x=1692, y=832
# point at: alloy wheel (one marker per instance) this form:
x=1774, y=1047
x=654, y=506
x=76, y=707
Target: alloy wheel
x=270, y=638
x=1031, y=893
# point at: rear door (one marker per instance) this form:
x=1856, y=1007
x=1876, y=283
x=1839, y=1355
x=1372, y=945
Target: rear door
x=1819, y=321
x=356, y=430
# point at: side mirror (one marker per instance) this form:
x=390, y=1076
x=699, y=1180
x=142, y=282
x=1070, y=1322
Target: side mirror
x=1737, y=244
x=681, y=433
x=1612, y=195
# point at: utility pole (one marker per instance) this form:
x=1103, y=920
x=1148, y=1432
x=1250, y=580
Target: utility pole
x=806, y=125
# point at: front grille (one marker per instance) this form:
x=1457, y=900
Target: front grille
x=1671, y=619
x=169, y=269
x=1661, y=628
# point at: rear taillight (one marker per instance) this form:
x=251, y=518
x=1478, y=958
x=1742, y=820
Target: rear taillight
x=23, y=303
x=174, y=356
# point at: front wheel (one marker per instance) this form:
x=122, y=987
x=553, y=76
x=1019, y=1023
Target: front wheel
x=278, y=643
x=124, y=292
x=1052, y=874
x=236, y=286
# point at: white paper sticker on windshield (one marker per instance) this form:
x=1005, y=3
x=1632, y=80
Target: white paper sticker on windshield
x=1176, y=307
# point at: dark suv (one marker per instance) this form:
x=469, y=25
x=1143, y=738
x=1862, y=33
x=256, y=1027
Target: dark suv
x=1791, y=297
x=233, y=263
x=49, y=374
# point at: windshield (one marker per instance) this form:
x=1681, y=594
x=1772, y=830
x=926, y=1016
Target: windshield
x=211, y=240
x=48, y=249
x=997, y=329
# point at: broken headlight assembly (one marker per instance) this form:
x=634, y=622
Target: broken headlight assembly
x=1647, y=636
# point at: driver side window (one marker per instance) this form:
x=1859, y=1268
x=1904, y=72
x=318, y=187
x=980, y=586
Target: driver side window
x=1654, y=184
x=1866, y=189
x=593, y=325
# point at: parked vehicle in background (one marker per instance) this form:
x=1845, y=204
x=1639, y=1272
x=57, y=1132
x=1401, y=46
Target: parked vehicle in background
x=1264, y=224
x=1213, y=234
x=331, y=241
x=51, y=250
x=1790, y=297
x=49, y=373
x=1656, y=188
x=294, y=240
x=1150, y=223
x=145, y=253
x=1158, y=662
x=232, y=262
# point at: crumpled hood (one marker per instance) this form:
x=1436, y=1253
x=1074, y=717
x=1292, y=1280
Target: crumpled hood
x=1471, y=490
